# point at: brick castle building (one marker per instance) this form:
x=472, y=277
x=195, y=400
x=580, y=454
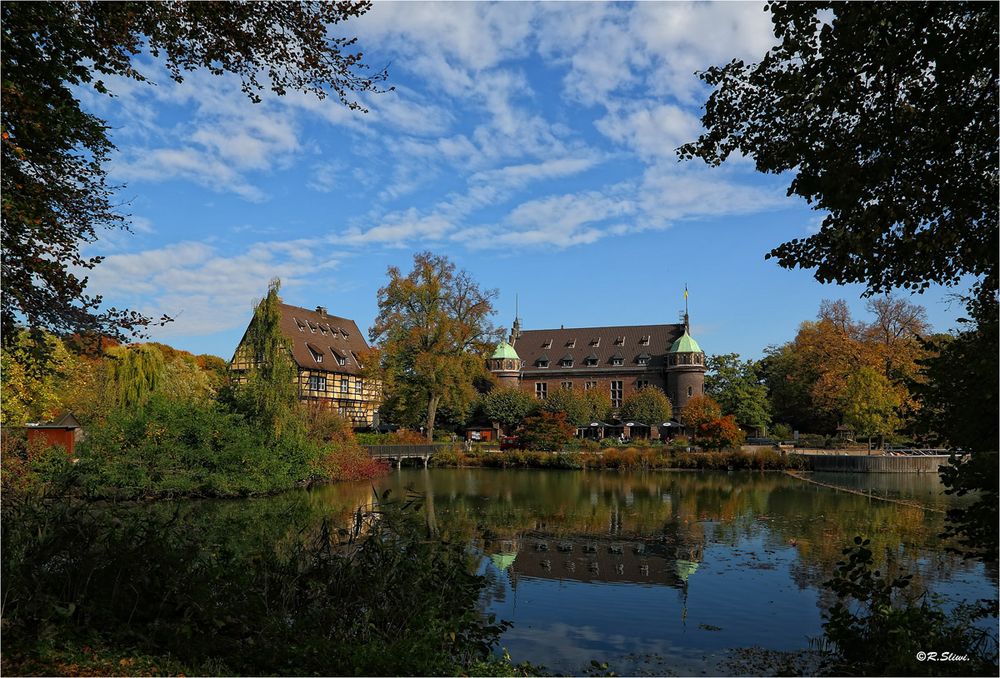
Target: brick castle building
x=617, y=360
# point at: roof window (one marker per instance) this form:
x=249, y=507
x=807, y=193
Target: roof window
x=543, y=361
x=566, y=361
x=617, y=359
x=590, y=360
x=301, y=325
x=620, y=341
x=595, y=341
x=547, y=343
x=341, y=358
x=317, y=353
x=571, y=343
x=644, y=341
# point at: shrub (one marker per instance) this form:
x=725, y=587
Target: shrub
x=546, y=431
x=721, y=433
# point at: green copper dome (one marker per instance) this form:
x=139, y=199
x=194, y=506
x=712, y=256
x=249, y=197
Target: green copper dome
x=686, y=344
x=504, y=352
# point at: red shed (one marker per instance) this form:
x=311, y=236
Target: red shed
x=65, y=431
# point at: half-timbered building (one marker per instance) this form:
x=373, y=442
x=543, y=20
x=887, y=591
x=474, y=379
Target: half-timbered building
x=328, y=352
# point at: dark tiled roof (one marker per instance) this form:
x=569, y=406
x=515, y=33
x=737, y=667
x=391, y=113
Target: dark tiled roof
x=530, y=345
x=330, y=336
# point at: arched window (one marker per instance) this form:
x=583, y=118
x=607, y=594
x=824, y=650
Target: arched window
x=690, y=391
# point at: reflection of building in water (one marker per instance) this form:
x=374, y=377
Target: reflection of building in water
x=596, y=558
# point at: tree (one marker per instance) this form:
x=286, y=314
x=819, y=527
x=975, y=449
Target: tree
x=55, y=192
x=507, y=406
x=886, y=117
x=433, y=331
x=266, y=392
x=737, y=387
x=545, y=432
x=699, y=410
x=134, y=373
x=871, y=404
x=648, y=405
x=721, y=433
x=568, y=401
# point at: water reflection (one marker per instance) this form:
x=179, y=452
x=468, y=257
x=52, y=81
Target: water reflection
x=666, y=571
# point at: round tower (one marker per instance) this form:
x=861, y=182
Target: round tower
x=685, y=367
x=505, y=364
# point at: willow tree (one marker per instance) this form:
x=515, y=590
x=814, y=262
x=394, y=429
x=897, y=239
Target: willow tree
x=433, y=330
x=265, y=389
x=134, y=373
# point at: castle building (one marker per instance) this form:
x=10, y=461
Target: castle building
x=327, y=352
x=618, y=360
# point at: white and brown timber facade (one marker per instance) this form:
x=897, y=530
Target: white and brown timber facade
x=327, y=351
x=617, y=360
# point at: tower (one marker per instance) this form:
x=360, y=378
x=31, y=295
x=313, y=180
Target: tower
x=685, y=367
x=505, y=363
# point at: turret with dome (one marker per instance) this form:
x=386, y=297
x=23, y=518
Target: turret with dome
x=685, y=367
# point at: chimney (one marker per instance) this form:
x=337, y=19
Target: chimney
x=321, y=310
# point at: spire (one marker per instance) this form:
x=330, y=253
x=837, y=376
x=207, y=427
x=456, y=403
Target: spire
x=515, y=329
x=687, y=325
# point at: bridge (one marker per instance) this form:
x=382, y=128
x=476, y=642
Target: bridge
x=395, y=454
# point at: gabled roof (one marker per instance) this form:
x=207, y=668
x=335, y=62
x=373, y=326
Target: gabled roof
x=529, y=345
x=328, y=335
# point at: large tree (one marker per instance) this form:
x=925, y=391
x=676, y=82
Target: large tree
x=56, y=197
x=737, y=386
x=885, y=117
x=870, y=404
x=433, y=330
x=648, y=405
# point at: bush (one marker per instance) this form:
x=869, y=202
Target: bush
x=171, y=448
x=546, y=431
x=874, y=629
x=376, y=599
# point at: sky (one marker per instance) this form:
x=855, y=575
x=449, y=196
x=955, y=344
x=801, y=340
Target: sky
x=533, y=144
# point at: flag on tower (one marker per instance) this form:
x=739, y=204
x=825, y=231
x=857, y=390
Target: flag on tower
x=685, y=291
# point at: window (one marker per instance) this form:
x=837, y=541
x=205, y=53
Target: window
x=542, y=362
x=355, y=356
x=571, y=343
x=541, y=390
x=588, y=385
x=567, y=361
x=317, y=383
x=617, y=360
x=312, y=326
x=644, y=341
x=356, y=387
x=567, y=385
x=344, y=333
x=317, y=354
x=591, y=360
x=595, y=341
x=343, y=384
x=643, y=359
x=619, y=341
x=322, y=330
x=616, y=394
x=301, y=325
x=642, y=383
x=547, y=343
x=341, y=359
x=690, y=391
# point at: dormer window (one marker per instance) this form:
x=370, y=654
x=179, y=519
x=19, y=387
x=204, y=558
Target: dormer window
x=590, y=360
x=340, y=357
x=571, y=343
x=547, y=343
x=344, y=333
x=317, y=354
x=322, y=330
x=644, y=341
x=619, y=341
x=643, y=358
x=355, y=356
x=566, y=361
x=617, y=360
x=301, y=325
x=595, y=341
x=312, y=326
x=543, y=361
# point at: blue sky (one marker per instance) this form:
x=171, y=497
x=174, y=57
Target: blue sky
x=533, y=144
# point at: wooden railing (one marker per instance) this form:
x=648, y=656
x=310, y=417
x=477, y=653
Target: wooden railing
x=396, y=451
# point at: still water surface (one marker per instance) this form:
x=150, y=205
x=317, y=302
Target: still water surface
x=667, y=573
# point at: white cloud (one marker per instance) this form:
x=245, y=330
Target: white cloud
x=651, y=130
x=203, y=289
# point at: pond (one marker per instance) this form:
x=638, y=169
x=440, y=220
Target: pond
x=670, y=573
